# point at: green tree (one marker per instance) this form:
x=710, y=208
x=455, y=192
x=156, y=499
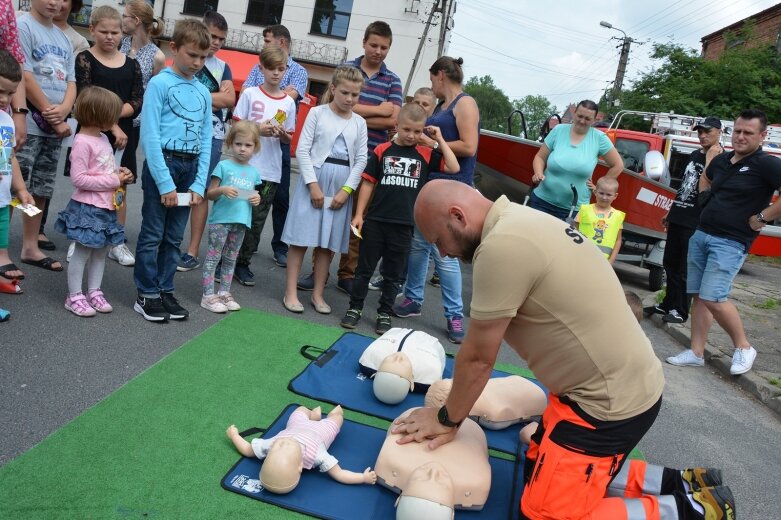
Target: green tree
x=536, y=110
x=685, y=83
x=493, y=103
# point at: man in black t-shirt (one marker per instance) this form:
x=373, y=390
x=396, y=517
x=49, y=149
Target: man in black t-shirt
x=682, y=220
x=741, y=185
x=394, y=175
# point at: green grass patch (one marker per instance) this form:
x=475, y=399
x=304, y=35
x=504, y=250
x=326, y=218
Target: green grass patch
x=775, y=381
x=769, y=304
x=771, y=260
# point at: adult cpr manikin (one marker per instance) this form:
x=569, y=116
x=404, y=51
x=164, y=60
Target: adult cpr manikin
x=504, y=401
x=464, y=460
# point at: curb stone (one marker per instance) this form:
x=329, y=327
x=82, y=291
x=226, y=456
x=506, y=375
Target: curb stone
x=753, y=383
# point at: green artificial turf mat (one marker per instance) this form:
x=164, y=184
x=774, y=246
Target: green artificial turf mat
x=156, y=448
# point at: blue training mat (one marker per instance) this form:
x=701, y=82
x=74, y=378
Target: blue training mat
x=356, y=448
x=335, y=377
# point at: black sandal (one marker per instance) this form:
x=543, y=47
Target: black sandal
x=10, y=267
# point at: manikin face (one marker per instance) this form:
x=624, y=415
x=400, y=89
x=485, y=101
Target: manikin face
x=106, y=34
x=432, y=482
x=397, y=363
x=747, y=136
x=282, y=467
x=345, y=95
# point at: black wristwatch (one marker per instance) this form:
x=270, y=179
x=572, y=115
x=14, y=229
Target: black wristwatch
x=761, y=218
x=444, y=419
x=20, y=110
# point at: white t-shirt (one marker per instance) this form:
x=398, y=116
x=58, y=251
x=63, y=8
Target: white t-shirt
x=258, y=106
x=7, y=142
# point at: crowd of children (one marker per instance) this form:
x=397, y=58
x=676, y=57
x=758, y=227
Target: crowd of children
x=182, y=114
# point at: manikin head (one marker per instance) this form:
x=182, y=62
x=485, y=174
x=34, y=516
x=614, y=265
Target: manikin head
x=393, y=379
x=437, y=393
x=428, y=494
x=282, y=467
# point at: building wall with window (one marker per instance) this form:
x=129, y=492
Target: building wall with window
x=766, y=31
x=325, y=32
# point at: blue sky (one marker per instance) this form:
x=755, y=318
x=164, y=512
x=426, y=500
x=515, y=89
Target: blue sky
x=558, y=49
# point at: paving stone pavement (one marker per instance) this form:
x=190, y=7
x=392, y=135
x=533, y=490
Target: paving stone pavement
x=756, y=293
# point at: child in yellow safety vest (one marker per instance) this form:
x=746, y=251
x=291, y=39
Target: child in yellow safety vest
x=601, y=222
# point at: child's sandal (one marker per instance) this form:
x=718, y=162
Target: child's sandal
x=78, y=305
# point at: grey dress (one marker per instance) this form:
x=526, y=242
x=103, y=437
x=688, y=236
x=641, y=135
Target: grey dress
x=306, y=226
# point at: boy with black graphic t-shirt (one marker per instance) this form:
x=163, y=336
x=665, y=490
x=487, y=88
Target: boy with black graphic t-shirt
x=395, y=173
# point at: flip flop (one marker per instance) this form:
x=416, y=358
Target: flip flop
x=4, y=315
x=46, y=245
x=10, y=267
x=44, y=263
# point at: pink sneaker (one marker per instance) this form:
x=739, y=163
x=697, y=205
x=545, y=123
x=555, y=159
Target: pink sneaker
x=77, y=304
x=98, y=301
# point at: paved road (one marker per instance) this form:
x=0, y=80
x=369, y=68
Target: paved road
x=54, y=366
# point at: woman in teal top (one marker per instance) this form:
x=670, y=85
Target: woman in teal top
x=567, y=158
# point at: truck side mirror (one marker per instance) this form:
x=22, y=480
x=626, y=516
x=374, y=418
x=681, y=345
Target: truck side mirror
x=656, y=167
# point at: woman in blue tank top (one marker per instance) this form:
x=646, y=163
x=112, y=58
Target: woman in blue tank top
x=458, y=119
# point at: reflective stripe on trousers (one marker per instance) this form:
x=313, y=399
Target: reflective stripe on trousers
x=636, y=478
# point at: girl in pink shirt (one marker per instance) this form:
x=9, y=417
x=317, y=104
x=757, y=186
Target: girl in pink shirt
x=90, y=218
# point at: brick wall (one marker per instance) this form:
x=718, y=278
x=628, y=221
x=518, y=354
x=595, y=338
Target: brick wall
x=767, y=26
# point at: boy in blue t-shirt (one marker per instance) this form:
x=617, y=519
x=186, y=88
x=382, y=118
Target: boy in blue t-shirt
x=176, y=136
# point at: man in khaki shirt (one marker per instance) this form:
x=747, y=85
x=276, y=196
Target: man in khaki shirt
x=542, y=287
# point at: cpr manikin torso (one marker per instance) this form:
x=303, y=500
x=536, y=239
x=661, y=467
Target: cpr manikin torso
x=504, y=401
x=464, y=460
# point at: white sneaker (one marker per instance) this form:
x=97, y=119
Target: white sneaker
x=229, y=302
x=71, y=249
x=742, y=360
x=687, y=358
x=122, y=255
x=213, y=303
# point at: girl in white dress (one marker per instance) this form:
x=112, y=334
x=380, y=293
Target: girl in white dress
x=331, y=156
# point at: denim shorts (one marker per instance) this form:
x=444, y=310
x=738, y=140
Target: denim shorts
x=712, y=265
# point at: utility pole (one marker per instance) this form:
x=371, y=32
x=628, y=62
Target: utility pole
x=434, y=9
x=626, y=43
x=447, y=9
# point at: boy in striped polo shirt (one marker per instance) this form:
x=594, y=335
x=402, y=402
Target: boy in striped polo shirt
x=379, y=104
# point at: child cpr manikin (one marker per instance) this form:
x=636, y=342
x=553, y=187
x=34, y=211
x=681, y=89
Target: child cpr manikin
x=303, y=444
x=393, y=380
x=504, y=401
x=463, y=462
x=407, y=349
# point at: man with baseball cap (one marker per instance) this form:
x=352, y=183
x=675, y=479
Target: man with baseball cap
x=741, y=184
x=681, y=221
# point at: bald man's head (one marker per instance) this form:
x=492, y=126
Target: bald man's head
x=450, y=215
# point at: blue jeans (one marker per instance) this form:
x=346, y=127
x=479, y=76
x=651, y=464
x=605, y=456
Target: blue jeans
x=449, y=276
x=546, y=207
x=281, y=202
x=713, y=263
x=157, y=250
